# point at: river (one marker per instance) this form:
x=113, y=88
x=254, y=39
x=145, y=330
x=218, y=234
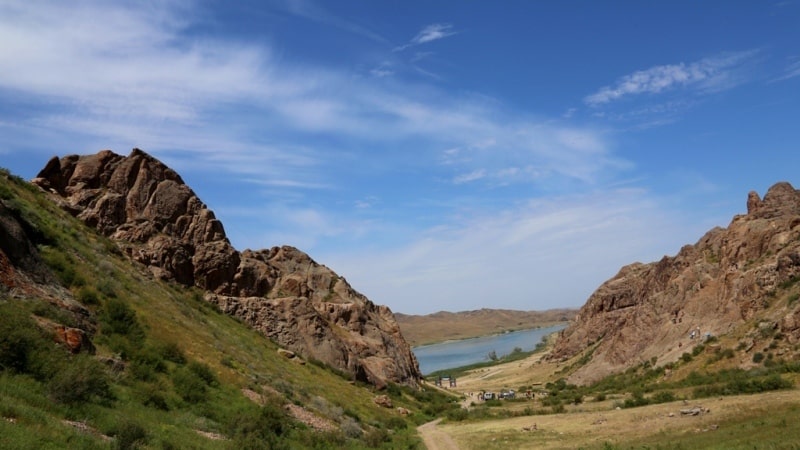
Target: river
x=451, y=354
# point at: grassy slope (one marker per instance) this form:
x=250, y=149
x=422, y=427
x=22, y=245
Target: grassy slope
x=172, y=316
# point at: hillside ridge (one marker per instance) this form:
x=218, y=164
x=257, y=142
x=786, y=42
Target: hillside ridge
x=158, y=221
x=737, y=281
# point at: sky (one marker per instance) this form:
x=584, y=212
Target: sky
x=440, y=155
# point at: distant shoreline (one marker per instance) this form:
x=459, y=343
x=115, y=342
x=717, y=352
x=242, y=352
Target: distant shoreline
x=445, y=326
x=517, y=330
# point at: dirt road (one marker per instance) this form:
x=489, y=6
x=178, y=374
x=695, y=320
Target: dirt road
x=434, y=438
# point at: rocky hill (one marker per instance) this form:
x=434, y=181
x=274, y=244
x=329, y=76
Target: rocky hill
x=158, y=221
x=444, y=325
x=739, y=282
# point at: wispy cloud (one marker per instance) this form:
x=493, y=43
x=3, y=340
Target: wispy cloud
x=709, y=74
x=468, y=177
x=430, y=33
x=534, y=250
x=311, y=10
x=791, y=70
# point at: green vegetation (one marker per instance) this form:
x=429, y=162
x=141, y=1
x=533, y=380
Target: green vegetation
x=169, y=370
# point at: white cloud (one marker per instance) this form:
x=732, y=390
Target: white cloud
x=792, y=70
x=536, y=255
x=433, y=32
x=709, y=74
x=150, y=83
x=469, y=177
x=429, y=33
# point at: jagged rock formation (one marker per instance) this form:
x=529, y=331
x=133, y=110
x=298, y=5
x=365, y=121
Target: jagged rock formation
x=158, y=221
x=730, y=276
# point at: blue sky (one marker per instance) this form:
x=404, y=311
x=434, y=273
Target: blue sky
x=438, y=155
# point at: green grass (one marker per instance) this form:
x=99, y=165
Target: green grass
x=180, y=364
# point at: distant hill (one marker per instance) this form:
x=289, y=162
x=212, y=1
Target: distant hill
x=738, y=284
x=443, y=325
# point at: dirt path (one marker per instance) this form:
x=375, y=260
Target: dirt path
x=434, y=438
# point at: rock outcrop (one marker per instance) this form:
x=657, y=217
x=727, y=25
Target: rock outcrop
x=23, y=275
x=158, y=221
x=662, y=309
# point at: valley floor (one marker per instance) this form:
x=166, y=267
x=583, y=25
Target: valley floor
x=745, y=421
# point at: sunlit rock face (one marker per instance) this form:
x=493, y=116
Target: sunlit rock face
x=158, y=221
x=730, y=276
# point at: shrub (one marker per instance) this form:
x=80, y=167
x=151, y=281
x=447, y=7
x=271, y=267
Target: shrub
x=19, y=340
x=758, y=357
x=80, y=380
x=129, y=435
x=203, y=372
x=118, y=318
x=87, y=296
x=351, y=428
x=260, y=428
x=686, y=357
x=457, y=415
x=171, y=352
x=376, y=437
x=636, y=400
x=663, y=397
x=558, y=409
x=189, y=386
x=396, y=423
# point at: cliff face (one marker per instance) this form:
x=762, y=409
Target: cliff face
x=729, y=277
x=158, y=221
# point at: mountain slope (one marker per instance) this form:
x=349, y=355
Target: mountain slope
x=739, y=282
x=146, y=362
x=158, y=221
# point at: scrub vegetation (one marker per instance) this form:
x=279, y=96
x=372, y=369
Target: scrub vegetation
x=168, y=370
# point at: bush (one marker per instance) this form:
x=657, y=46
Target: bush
x=118, y=318
x=758, y=357
x=203, y=372
x=457, y=415
x=189, y=386
x=260, y=428
x=80, y=380
x=20, y=339
x=88, y=296
x=351, y=428
x=171, y=352
x=663, y=397
x=129, y=435
x=376, y=437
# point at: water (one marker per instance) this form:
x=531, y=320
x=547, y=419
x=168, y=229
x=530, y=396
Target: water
x=448, y=355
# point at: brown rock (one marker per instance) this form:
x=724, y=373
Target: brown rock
x=720, y=282
x=383, y=400
x=304, y=306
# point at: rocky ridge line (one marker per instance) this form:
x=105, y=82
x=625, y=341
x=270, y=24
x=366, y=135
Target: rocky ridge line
x=713, y=287
x=158, y=221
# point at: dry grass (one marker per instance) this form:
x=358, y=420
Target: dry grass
x=748, y=421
